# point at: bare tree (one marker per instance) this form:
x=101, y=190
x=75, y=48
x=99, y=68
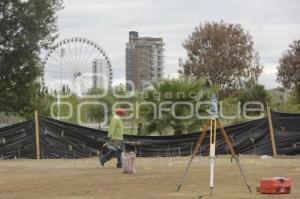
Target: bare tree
x=223, y=53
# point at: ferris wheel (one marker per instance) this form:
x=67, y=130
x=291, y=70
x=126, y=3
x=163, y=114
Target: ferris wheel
x=77, y=64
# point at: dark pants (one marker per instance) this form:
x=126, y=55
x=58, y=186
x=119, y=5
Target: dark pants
x=112, y=152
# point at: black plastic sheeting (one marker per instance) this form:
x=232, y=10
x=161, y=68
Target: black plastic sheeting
x=65, y=140
x=287, y=132
x=18, y=141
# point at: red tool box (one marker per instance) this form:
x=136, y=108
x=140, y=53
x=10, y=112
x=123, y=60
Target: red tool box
x=275, y=185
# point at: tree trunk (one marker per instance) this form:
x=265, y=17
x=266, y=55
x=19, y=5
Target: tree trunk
x=178, y=131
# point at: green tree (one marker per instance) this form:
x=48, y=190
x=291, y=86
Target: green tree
x=291, y=105
x=254, y=92
x=172, y=90
x=222, y=53
x=289, y=68
x=96, y=113
x=26, y=28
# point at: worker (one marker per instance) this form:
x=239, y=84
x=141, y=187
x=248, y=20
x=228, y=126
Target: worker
x=140, y=129
x=115, y=133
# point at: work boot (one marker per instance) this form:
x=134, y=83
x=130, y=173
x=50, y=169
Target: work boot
x=119, y=165
x=102, y=162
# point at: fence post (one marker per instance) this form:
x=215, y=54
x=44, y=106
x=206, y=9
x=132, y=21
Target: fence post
x=271, y=131
x=37, y=135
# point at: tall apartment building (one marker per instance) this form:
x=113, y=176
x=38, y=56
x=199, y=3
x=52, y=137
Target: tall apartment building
x=100, y=74
x=144, y=60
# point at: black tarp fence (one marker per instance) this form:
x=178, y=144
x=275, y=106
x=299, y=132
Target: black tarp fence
x=60, y=139
x=18, y=141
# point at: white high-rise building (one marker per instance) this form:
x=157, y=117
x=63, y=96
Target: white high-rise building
x=144, y=60
x=100, y=74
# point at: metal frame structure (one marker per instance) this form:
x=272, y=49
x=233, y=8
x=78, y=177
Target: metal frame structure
x=81, y=54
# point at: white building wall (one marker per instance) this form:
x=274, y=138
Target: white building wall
x=100, y=74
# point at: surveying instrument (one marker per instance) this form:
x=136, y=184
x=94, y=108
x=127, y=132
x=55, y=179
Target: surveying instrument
x=212, y=124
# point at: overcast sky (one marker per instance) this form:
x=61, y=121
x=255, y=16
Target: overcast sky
x=272, y=23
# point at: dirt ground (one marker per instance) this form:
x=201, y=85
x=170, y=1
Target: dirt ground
x=155, y=178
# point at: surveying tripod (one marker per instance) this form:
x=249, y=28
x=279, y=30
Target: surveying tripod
x=212, y=123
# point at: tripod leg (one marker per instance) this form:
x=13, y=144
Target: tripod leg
x=233, y=153
x=212, y=153
x=200, y=140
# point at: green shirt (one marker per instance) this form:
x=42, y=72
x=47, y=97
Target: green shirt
x=115, y=130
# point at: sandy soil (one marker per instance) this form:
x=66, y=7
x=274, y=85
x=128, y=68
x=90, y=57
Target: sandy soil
x=156, y=178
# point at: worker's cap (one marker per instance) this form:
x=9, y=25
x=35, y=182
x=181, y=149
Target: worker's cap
x=120, y=111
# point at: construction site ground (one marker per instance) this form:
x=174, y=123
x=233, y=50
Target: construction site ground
x=155, y=178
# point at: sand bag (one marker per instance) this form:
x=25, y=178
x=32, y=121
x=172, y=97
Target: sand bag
x=128, y=162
